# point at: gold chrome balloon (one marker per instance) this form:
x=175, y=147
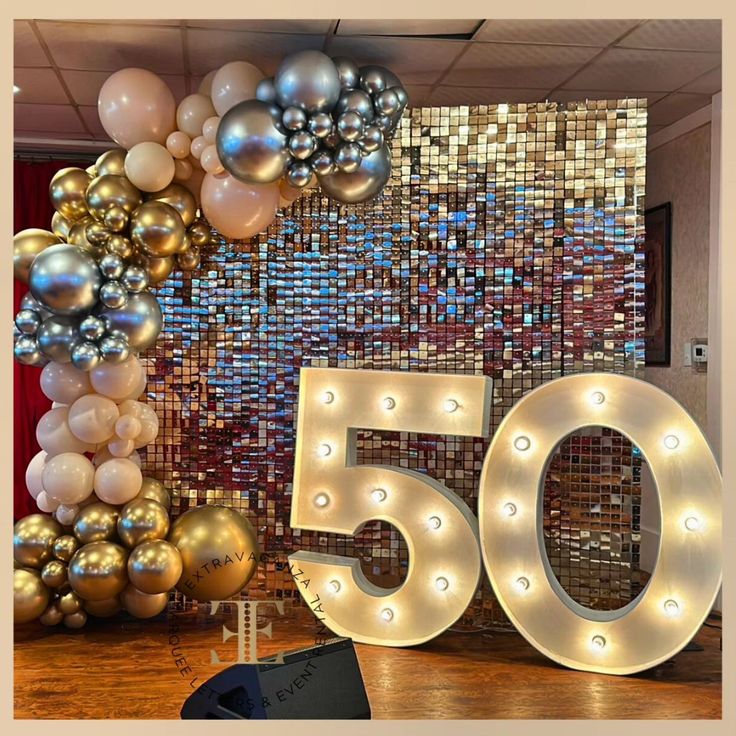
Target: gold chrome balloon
x=30, y=596
x=69, y=602
x=181, y=199
x=97, y=234
x=104, y=608
x=98, y=570
x=154, y=489
x=33, y=539
x=97, y=522
x=219, y=552
x=143, y=605
x=190, y=260
x=157, y=269
x=27, y=244
x=52, y=616
x=67, y=190
x=116, y=219
x=199, y=232
x=78, y=235
x=142, y=519
x=75, y=620
x=155, y=566
x=65, y=547
x=111, y=162
x=60, y=225
x=157, y=229
x=120, y=246
x=53, y=574
x=109, y=191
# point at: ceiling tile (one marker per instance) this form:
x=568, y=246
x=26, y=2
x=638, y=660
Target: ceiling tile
x=416, y=61
x=578, y=95
x=518, y=65
x=27, y=49
x=309, y=26
x=393, y=27
x=589, y=32
x=708, y=84
x=85, y=86
x=86, y=46
x=676, y=106
x=418, y=94
x=93, y=122
x=39, y=85
x=210, y=49
x=483, y=95
x=52, y=119
x=692, y=35
x=636, y=70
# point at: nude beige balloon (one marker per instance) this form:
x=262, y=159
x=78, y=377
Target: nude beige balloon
x=134, y=106
x=182, y=169
x=233, y=83
x=209, y=129
x=205, y=86
x=238, y=210
x=192, y=113
x=92, y=418
x=198, y=145
x=54, y=435
x=149, y=166
x=117, y=380
x=178, y=144
x=68, y=477
x=64, y=383
x=117, y=481
x=211, y=161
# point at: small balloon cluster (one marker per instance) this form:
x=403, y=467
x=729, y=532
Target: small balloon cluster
x=89, y=299
x=320, y=116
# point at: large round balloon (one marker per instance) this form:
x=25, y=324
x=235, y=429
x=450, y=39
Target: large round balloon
x=134, y=106
x=99, y=570
x=63, y=383
x=233, y=83
x=65, y=280
x=250, y=144
x=67, y=192
x=157, y=229
x=27, y=244
x=207, y=533
x=142, y=520
x=111, y=162
x=192, y=112
x=140, y=319
x=307, y=79
x=54, y=435
x=154, y=566
x=97, y=522
x=30, y=596
x=68, y=477
x=361, y=185
x=236, y=209
x=149, y=166
x=33, y=539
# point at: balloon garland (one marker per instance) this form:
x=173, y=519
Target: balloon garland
x=239, y=149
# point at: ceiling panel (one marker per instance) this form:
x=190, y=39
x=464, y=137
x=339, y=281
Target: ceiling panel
x=50, y=119
x=85, y=86
x=415, y=61
x=676, y=106
x=644, y=70
x=578, y=95
x=708, y=84
x=27, y=49
x=39, y=85
x=418, y=94
x=518, y=65
x=210, y=49
x=309, y=26
x=393, y=27
x=693, y=35
x=111, y=47
x=93, y=122
x=567, y=32
x=483, y=95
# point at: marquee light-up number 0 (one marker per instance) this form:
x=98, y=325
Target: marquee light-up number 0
x=332, y=493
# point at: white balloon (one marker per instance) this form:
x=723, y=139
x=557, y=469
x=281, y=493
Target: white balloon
x=127, y=426
x=149, y=426
x=45, y=503
x=66, y=514
x=34, y=470
x=68, y=478
x=120, y=447
x=118, y=481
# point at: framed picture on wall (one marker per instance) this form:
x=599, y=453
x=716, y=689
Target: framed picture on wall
x=658, y=284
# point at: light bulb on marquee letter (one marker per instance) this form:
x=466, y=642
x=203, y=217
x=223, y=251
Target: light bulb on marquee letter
x=439, y=529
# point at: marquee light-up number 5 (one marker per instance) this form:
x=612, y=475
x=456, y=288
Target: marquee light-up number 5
x=331, y=493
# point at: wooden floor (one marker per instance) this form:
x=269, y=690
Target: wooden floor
x=123, y=668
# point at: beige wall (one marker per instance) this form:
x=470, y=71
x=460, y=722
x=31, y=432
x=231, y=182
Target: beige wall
x=679, y=172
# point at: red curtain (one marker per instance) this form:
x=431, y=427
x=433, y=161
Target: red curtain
x=32, y=208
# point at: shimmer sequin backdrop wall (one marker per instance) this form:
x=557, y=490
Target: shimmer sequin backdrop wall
x=506, y=244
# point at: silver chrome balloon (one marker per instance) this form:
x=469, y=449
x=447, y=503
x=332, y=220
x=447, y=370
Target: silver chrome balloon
x=91, y=328
x=86, y=355
x=26, y=351
x=350, y=126
x=333, y=140
x=307, y=79
x=112, y=266
x=28, y=302
x=386, y=102
x=403, y=96
x=302, y=145
x=113, y=294
x=28, y=321
x=135, y=278
x=322, y=162
x=364, y=184
x=358, y=101
x=57, y=337
x=348, y=157
x=250, y=145
x=299, y=174
x=320, y=124
x=348, y=72
x=383, y=122
x=65, y=280
x=140, y=320
x=372, y=139
x=265, y=91
x=374, y=78
x=114, y=349
x=294, y=118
